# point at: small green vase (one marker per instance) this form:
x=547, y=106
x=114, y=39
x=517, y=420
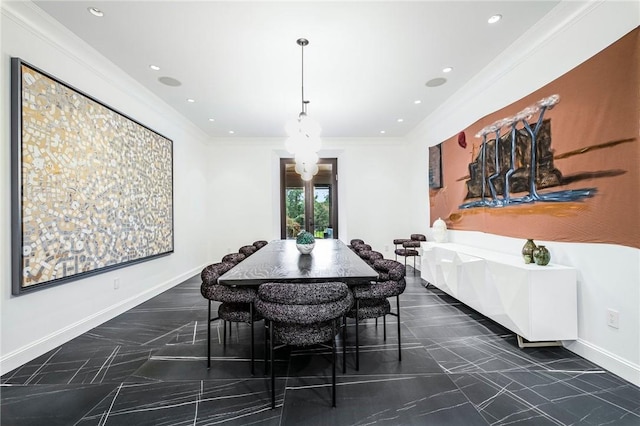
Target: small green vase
x=527, y=251
x=541, y=256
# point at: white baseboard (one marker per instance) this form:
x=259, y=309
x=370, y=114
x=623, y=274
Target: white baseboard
x=605, y=359
x=29, y=352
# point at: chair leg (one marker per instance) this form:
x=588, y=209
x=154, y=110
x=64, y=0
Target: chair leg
x=224, y=333
x=252, y=349
x=384, y=328
x=357, y=339
x=344, y=344
x=273, y=367
x=209, y=336
x=414, y=265
x=333, y=364
x=266, y=347
x=398, y=316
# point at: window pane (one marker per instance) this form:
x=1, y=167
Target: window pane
x=321, y=210
x=295, y=211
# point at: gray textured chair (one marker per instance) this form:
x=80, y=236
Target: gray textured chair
x=410, y=248
x=237, y=304
x=355, y=242
x=398, y=242
x=234, y=258
x=247, y=250
x=371, y=299
x=303, y=315
x=370, y=256
x=361, y=247
x=259, y=244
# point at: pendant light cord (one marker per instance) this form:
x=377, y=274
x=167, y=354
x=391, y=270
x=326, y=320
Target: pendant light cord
x=302, y=43
x=304, y=111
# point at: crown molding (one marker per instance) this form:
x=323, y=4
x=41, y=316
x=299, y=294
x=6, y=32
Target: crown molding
x=54, y=35
x=560, y=21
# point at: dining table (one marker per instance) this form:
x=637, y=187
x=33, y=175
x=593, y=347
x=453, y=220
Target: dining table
x=280, y=261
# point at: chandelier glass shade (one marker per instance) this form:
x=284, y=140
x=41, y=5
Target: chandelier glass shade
x=303, y=133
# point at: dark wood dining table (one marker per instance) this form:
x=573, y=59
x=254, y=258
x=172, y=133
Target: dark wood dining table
x=280, y=260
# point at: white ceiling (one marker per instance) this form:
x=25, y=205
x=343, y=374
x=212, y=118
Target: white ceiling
x=365, y=66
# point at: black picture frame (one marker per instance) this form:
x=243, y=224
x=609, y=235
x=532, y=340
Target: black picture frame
x=91, y=188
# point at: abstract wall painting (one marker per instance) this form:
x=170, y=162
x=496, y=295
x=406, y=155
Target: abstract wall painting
x=560, y=164
x=520, y=161
x=92, y=189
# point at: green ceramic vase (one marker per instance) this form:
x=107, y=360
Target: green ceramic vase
x=541, y=256
x=527, y=251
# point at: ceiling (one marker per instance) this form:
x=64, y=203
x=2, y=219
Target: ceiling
x=365, y=68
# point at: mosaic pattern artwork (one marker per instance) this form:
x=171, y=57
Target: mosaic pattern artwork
x=96, y=187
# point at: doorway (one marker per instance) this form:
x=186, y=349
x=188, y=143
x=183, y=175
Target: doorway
x=309, y=206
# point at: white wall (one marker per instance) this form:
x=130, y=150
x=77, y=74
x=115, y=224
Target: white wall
x=609, y=275
x=35, y=323
x=372, y=191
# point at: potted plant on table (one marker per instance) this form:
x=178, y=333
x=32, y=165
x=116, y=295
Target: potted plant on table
x=305, y=242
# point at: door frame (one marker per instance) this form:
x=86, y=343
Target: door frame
x=308, y=200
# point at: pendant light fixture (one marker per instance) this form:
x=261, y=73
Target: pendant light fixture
x=304, y=134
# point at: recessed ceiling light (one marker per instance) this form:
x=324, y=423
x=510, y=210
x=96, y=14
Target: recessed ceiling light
x=382, y=132
x=447, y=69
x=231, y=132
x=212, y=119
x=400, y=120
x=191, y=100
x=417, y=101
x=154, y=67
x=95, y=11
x=434, y=82
x=494, y=19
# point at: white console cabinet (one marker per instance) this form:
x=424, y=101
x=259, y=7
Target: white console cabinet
x=538, y=303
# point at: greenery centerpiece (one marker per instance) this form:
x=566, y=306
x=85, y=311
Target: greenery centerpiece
x=305, y=242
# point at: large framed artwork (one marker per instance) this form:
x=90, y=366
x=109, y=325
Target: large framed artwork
x=559, y=164
x=92, y=189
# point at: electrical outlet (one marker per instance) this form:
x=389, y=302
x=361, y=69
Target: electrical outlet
x=116, y=283
x=613, y=318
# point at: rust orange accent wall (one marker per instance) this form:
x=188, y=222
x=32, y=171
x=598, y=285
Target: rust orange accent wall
x=595, y=134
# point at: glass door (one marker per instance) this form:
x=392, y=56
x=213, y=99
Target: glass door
x=309, y=206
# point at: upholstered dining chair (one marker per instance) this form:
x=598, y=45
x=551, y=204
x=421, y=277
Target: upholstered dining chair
x=410, y=248
x=398, y=242
x=418, y=237
x=234, y=258
x=303, y=315
x=371, y=299
x=355, y=242
x=259, y=244
x=370, y=256
x=237, y=304
x=247, y=250
x=362, y=247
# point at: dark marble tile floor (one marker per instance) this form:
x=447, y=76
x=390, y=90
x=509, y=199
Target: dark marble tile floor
x=148, y=367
